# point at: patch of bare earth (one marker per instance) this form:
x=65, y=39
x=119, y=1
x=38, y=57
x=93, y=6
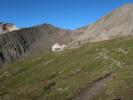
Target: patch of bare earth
x=96, y=88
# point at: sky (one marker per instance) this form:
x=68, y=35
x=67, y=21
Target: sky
x=68, y=14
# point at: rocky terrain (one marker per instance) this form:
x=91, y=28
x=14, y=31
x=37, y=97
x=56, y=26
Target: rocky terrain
x=7, y=27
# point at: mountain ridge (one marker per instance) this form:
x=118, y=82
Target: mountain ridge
x=40, y=38
x=116, y=23
x=28, y=41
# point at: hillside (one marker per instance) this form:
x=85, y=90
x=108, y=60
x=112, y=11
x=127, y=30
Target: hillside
x=30, y=41
x=115, y=24
x=64, y=75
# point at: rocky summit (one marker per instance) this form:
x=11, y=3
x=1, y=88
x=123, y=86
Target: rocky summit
x=7, y=27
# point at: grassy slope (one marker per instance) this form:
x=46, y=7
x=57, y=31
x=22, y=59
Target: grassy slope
x=71, y=71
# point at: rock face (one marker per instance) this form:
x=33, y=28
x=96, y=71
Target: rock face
x=117, y=23
x=7, y=27
x=30, y=41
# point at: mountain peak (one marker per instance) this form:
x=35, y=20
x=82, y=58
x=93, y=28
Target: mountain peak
x=128, y=5
x=115, y=24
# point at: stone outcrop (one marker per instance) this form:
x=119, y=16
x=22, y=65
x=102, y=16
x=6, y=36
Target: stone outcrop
x=7, y=27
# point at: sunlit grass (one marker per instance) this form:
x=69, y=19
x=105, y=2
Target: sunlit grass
x=70, y=71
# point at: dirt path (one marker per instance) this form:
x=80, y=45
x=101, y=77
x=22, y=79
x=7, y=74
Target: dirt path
x=96, y=88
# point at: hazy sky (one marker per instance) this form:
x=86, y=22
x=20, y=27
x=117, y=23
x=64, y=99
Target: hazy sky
x=68, y=14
